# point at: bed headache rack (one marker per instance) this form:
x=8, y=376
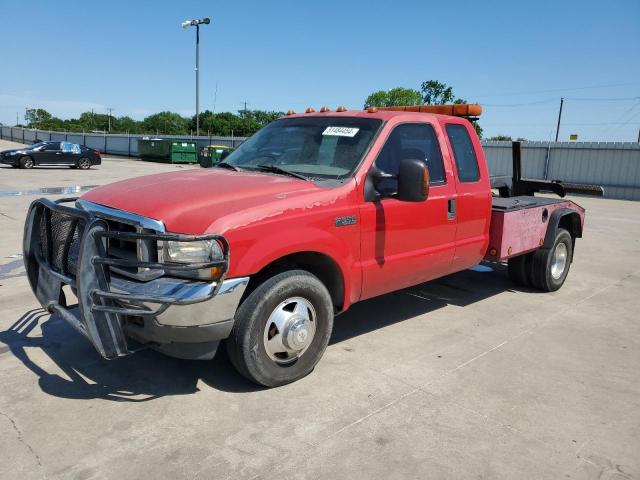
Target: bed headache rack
x=516, y=185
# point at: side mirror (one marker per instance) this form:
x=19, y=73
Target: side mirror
x=413, y=181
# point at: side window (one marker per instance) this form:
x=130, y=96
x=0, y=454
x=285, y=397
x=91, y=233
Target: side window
x=465, y=156
x=52, y=146
x=414, y=141
x=69, y=147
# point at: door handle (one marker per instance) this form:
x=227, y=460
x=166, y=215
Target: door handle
x=58, y=153
x=451, y=209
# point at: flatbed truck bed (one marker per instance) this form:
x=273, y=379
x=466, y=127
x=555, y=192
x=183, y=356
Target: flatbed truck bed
x=519, y=225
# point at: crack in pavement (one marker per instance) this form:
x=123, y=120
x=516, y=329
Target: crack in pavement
x=22, y=440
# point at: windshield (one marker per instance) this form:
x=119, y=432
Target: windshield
x=319, y=148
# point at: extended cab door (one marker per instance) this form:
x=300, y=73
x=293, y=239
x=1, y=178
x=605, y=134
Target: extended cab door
x=473, y=204
x=406, y=243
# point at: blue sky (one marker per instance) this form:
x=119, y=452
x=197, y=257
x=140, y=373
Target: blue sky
x=516, y=58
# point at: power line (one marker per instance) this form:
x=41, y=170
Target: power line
x=555, y=90
x=601, y=99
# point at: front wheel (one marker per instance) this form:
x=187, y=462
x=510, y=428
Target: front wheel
x=281, y=329
x=26, y=162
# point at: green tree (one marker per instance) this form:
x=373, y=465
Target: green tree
x=392, y=98
x=436, y=93
x=125, y=124
x=37, y=117
x=500, y=138
x=167, y=123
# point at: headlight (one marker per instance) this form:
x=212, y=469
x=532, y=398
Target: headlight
x=201, y=251
x=13, y=153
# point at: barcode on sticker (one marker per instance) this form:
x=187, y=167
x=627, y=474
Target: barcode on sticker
x=341, y=131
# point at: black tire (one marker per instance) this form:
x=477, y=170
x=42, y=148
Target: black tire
x=84, y=163
x=246, y=344
x=26, y=162
x=518, y=269
x=543, y=275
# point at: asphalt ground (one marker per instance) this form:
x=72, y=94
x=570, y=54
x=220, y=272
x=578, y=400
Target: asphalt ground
x=464, y=377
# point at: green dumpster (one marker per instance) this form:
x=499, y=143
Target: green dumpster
x=154, y=149
x=167, y=151
x=212, y=154
x=183, y=152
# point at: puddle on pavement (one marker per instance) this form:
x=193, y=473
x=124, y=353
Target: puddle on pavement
x=49, y=190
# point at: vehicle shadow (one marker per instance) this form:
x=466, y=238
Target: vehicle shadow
x=67, y=366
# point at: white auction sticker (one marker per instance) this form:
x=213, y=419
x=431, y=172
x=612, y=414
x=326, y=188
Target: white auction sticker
x=341, y=131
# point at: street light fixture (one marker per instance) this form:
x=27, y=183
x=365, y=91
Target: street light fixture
x=197, y=23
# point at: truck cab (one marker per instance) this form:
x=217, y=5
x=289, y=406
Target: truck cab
x=313, y=213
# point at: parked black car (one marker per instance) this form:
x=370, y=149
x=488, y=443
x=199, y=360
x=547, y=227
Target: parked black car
x=52, y=153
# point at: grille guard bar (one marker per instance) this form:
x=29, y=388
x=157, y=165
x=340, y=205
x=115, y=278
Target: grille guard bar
x=100, y=309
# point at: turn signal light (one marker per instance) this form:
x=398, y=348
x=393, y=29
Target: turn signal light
x=493, y=252
x=425, y=182
x=215, y=273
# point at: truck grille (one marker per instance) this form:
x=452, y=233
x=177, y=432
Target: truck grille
x=136, y=250
x=60, y=236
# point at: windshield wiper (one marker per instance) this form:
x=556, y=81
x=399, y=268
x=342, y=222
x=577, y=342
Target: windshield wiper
x=276, y=169
x=227, y=165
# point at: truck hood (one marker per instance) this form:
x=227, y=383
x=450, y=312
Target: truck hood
x=190, y=201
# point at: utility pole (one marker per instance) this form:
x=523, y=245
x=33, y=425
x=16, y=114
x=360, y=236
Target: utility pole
x=245, y=109
x=559, y=118
x=110, y=110
x=215, y=98
x=17, y=122
x=197, y=23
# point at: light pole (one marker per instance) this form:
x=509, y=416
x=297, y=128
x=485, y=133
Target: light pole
x=197, y=23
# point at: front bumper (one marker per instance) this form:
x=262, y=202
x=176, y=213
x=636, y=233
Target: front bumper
x=68, y=246
x=9, y=160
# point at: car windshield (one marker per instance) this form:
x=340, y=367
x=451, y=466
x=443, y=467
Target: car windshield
x=36, y=145
x=319, y=148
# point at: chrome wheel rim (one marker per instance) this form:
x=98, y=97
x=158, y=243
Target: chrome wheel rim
x=290, y=330
x=559, y=261
x=84, y=163
x=28, y=163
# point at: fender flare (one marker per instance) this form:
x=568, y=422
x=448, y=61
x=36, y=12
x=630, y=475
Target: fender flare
x=554, y=221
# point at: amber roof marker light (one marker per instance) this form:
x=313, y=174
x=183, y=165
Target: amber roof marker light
x=324, y=109
x=455, y=110
x=373, y=109
x=290, y=112
x=341, y=109
x=309, y=110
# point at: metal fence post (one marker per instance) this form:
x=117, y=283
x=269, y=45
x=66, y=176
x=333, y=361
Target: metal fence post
x=128, y=143
x=23, y=135
x=105, y=142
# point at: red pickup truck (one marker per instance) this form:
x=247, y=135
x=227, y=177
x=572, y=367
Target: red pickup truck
x=311, y=214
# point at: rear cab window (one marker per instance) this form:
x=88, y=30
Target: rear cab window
x=463, y=152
